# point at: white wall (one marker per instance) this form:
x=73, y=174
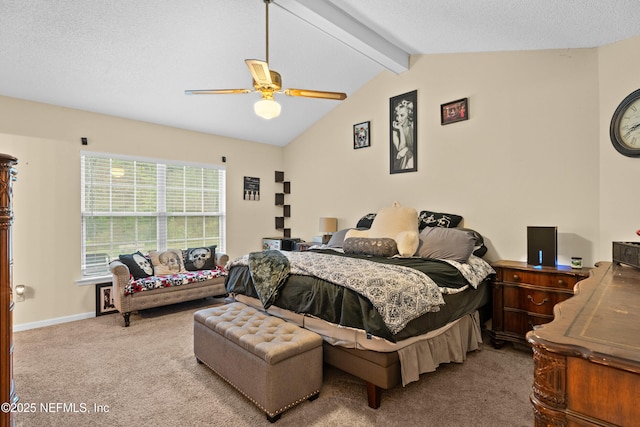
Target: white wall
x=528, y=155
x=46, y=231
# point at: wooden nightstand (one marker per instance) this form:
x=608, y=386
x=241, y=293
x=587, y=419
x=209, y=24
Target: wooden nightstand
x=524, y=296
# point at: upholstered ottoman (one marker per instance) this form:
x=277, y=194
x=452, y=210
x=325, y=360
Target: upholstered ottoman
x=274, y=363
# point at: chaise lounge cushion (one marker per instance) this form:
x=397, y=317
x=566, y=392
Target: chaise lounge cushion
x=185, y=278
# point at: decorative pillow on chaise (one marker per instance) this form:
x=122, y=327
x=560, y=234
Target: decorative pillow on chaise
x=437, y=219
x=381, y=247
x=446, y=243
x=167, y=262
x=202, y=258
x=139, y=265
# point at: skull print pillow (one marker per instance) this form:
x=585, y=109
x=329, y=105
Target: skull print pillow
x=139, y=265
x=167, y=262
x=203, y=258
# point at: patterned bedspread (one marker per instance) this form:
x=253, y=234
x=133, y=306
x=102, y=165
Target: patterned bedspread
x=295, y=287
x=400, y=294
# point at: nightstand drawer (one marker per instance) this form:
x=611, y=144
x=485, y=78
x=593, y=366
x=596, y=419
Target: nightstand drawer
x=532, y=300
x=519, y=323
x=524, y=295
x=550, y=280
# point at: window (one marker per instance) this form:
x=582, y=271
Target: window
x=131, y=204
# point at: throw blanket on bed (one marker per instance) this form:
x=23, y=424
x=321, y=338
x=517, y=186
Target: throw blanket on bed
x=400, y=294
x=269, y=270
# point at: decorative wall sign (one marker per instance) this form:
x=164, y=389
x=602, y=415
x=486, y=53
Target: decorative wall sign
x=403, y=125
x=361, y=135
x=251, y=188
x=454, y=111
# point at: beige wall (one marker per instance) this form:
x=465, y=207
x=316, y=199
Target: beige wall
x=619, y=175
x=46, y=232
x=528, y=155
x=535, y=151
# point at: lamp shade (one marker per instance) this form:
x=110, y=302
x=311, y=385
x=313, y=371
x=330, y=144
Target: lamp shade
x=328, y=225
x=267, y=108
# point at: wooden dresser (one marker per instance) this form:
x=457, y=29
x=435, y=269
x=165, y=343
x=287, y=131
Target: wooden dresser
x=524, y=296
x=7, y=388
x=587, y=360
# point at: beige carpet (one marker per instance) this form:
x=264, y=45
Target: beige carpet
x=146, y=375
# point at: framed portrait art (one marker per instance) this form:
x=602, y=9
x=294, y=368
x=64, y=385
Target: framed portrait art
x=403, y=139
x=454, y=111
x=361, y=135
x=104, y=299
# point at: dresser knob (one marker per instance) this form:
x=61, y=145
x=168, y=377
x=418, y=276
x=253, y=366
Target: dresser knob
x=561, y=282
x=516, y=278
x=537, y=303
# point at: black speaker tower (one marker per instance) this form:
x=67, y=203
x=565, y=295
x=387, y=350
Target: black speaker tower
x=542, y=246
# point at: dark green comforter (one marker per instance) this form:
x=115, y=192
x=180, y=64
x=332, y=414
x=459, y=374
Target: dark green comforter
x=342, y=306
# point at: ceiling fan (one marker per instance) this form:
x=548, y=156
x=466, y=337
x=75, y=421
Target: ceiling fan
x=268, y=82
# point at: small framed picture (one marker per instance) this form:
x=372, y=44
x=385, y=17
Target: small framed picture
x=454, y=111
x=361, y=135
x=104, y=299
x=251, y=188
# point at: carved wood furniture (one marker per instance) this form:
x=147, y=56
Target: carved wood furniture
x=7, y=387
x=524, y=296
x=587, y=360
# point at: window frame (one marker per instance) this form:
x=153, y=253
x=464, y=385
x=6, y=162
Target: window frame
x=161, y=214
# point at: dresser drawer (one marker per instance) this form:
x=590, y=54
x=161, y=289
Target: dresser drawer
x=532, y=300
x=549, y=280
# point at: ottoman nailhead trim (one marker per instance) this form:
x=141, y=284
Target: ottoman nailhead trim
x=271, y=414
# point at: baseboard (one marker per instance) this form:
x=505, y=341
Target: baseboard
x=54, y=321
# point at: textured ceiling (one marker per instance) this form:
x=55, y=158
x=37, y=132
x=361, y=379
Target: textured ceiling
x=135, y=58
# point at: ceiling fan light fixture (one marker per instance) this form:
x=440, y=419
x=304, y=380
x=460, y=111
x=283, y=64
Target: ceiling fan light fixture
x=267, y=108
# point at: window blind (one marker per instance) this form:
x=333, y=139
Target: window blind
x=131, y=204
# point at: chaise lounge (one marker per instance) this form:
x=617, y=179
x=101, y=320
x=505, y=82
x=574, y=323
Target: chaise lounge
x=131, y=294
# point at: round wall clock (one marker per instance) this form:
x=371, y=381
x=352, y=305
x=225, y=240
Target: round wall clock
x=625, y=126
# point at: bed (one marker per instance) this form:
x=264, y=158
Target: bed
x=384, y=319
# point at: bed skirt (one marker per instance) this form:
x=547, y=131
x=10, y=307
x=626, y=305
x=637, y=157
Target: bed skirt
x=417, y=355
x=462, y=336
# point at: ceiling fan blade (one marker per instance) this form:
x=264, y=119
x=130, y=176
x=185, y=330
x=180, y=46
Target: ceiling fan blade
x=338, y=96
x=259, y=71
x=216, y=91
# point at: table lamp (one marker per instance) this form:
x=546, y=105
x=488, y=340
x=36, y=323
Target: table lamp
x=328, y=226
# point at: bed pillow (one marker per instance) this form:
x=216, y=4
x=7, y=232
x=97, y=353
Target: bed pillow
x=446, y=243
x=365, y=222
x=438, y=219
x=479, y=248
x=380, y=247
x=139, y=265
x=337, y=238
x=167, y=262
x=202, y=258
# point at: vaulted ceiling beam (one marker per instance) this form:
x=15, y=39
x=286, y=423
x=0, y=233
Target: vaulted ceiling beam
x=343, y=27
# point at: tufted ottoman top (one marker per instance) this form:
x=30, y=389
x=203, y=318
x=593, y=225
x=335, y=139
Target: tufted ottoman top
x=268, y=337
